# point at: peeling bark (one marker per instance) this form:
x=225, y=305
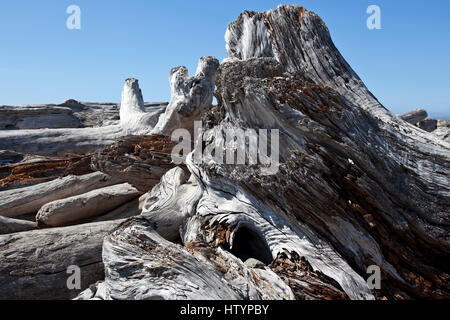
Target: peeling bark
x=138, y=160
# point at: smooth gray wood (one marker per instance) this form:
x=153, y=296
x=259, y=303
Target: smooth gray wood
x=8, y=225
x=79, y=208
x=33, y=265
x=27, y=200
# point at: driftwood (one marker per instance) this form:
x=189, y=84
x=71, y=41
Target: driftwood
x=356, y=186
x=58, y=142
x=80, y=208
x=134, y=118
x=69, y=114
x=171, y=202
x=9, y=157
x=348, y=186
x=128, y=210
x=37, y=117
x=190, y=97
x=414, y=116
x=139, y=160
x=35, y=170
x=158, y=269
x=8, y=225
x=34, y=264
x=14, y=203
x=429, y=125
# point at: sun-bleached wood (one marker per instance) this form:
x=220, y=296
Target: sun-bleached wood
x=33, y=264
x=14, y=203
x=79, y=208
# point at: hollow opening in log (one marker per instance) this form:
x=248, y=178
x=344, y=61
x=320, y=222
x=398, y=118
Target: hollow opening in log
x=248, y=244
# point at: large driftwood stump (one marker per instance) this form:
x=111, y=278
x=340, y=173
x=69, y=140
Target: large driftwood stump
x=344, y=185
x=356, y=186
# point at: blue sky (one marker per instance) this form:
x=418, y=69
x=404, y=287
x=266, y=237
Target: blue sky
x=406, y=64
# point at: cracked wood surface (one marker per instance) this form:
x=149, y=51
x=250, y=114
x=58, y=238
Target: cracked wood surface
x=33, y=265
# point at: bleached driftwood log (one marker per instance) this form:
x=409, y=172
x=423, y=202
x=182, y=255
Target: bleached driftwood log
x=139, y=160
x=414, y=116
x=33, y=265
x=428, y=124
x=128, y=210
x=190, y=97
x=14, y=203
x=80, y=208
x=58, y=142
x=8, y=225
x=356, y=186
x=37, y=117
x=80, y=141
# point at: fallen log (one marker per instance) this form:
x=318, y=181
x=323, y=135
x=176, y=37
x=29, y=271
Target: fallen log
x=428, y=125
x=14, y=203
x=128, y=210
x=37, y=117
x=58, y=142
x=158, y=269
x=8, y=225
x=415, y=116
x=80, y=208
x=34, y=264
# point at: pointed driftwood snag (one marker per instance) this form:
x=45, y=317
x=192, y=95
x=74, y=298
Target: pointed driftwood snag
x=133, y=116
x=190, y=97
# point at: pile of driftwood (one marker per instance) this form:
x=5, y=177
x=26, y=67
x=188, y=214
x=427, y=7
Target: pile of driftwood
x=356, y=186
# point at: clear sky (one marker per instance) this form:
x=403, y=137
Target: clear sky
x=406, y=64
